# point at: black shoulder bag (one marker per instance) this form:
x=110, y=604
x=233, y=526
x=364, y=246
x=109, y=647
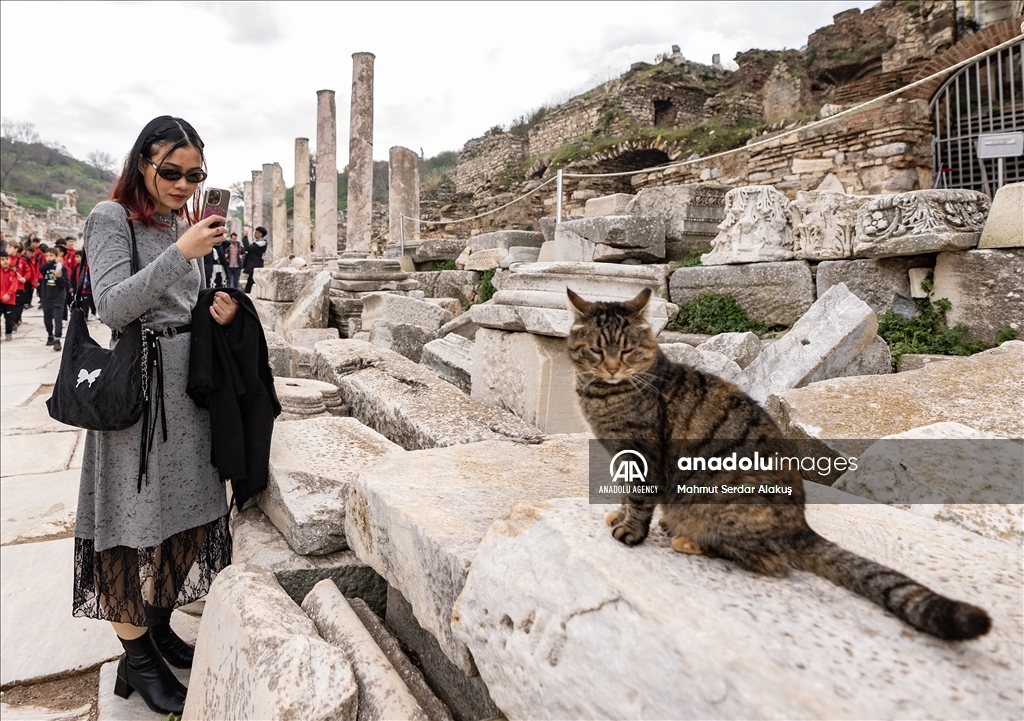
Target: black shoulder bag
x=107, y=390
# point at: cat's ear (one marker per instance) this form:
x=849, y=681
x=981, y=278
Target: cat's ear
x=583, y=306
x=640, y=302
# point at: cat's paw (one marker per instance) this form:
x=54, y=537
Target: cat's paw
x=613, y=518
x=629, y=534
x=685, y=545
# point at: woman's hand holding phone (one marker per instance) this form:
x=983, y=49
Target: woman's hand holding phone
x=199, y=240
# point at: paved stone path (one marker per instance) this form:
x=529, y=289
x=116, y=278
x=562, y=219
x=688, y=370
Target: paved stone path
x=40, y=462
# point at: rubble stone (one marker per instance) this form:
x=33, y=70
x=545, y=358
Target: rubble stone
x=741, y=348
x=485, y=259
x=404, y=310
x=819, y=346
x=916, y=361
x=403, y=338
x=259, y=656
x=458, y=284
x=519, y=254
x=504, y=239
x=310, y=309
x=709, y=361
x=438, y=249
x=773, y=293
x=281, y=285
x=875, y=359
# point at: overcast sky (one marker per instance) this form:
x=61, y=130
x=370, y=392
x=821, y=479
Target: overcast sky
x=90, y=75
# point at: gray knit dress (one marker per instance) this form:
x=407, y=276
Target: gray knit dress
x=162, y=545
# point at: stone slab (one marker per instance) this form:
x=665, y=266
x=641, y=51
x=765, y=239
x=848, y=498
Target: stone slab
x=883, y=283
x=30, y=419
x=309, y=337
x=382, y=693
x=875, y=359
x=462, y=325
x=417, y=518
x=741, y=348
x=438, y=249
x=553, y=321
x=311, y=306
x=1004, y=227
x=550, y=592
x=982, y=391
x=38, y=713
x=819, y=346
x=484, y=260
x=312, y=464
x=279, y=354
x=458, y=284
x=270, y=312
x=604, y=281
x=40, y=637
x=614, y=204
x=691, y=213
x=708, y=361
x=915, y=361
x=451, y=358
x=519, y=254
x=258, y=542
x=773, y=293
x=38, y=505
x=403, y=338
x=407, y=403
x=281, y=285
x=529, y=375
x=258, y=656
x=15, y=460
x=505, y=239
x=401, y=309
x=611, y=238
x=985, y=288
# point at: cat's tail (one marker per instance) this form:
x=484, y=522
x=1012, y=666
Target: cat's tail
x=919, y=606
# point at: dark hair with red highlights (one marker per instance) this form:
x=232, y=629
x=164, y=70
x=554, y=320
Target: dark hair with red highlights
x=130, y=188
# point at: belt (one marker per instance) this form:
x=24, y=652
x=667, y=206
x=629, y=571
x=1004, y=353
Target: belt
x=168, y=332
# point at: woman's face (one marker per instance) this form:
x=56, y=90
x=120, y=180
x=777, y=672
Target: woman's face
x=171, y=195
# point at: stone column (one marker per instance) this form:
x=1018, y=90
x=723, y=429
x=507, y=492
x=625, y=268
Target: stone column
x=403, y=195
x=257, y=200
x=360, y=156
x=326, y=175
x=279, y=214
x=267, y=213
x=247, y=208
x=300, y=203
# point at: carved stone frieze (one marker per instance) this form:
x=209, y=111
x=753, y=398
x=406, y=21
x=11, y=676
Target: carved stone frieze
x=824, y=224
x=921, y=221
x=757, y=228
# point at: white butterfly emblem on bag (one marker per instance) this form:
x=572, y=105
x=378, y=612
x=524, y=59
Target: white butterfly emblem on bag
x=84, y=375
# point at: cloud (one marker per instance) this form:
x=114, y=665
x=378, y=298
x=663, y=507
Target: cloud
x=250, y=23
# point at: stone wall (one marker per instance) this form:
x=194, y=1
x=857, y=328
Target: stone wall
x=884, y=149
x=483, y=159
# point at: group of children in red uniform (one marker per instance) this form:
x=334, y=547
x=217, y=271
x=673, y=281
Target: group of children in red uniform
x=53, y=272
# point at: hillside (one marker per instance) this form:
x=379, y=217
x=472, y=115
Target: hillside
x=32, y=171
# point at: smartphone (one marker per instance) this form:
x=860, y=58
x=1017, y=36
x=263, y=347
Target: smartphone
x=216, y=203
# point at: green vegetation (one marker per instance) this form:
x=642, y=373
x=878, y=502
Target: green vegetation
x=33, y=171
x=444, y=265
x=713, y=314
x=927, y=332
x=485, y=289
x=694, y=260
x=436, y=171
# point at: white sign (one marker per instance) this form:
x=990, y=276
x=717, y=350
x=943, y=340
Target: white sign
x=1001, y=145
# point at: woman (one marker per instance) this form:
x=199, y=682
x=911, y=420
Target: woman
x=254, y=254
x=144, y=548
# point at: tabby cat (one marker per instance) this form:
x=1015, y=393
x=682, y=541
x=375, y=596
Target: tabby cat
x=628, y=389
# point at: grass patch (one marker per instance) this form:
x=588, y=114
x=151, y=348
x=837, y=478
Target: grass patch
x=928, y=332
x=693, y=260
x=713, y=314
x=485, y=289
x=444, y=265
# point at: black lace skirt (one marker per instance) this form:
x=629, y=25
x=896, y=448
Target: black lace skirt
x=119, y=583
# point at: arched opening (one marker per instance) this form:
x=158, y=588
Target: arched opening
x=664, y=114
x=629, y=160
x=984, y=97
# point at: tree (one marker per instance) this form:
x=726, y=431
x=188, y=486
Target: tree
x=19, y=131
x=102, y=161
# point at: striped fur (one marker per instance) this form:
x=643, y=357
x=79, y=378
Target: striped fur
x=629, y=390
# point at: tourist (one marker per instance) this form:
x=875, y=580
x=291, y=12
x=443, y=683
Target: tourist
x=148, y=543
x=11, y=282
x=213, y=264
x=254, y=255
x=52, y=291
x=232, y=251
x=24, y=298
x=35, y=251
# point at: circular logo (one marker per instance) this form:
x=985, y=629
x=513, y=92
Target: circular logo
x=613, y=465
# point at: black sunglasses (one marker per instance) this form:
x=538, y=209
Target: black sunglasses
x=196, y=176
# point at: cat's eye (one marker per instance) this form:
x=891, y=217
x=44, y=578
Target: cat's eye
x=596, y=351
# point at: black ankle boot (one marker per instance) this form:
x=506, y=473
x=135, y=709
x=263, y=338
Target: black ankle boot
x=175, y=651
x=142, y=669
